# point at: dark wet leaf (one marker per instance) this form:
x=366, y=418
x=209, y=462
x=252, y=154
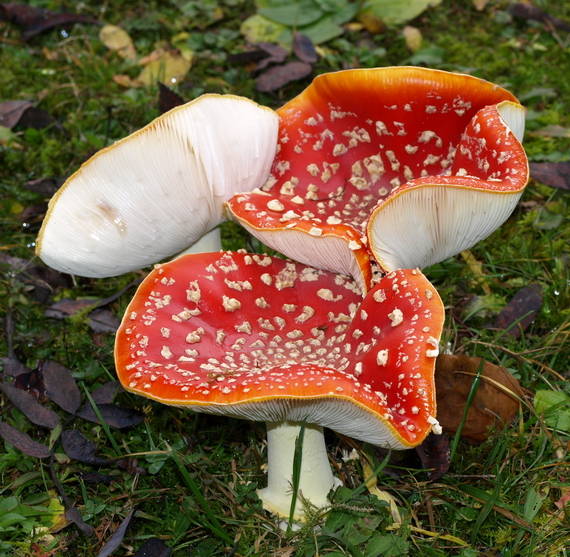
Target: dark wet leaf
x=304, y=48
x=34, y=21
x=33, y=382
x=274, y=54
x=60, y=386
x=522, y=310
x=103, y=321
x=13, y=367
x=131, y=466
x=113, y=415
x=73, y=515
x=526, y=10
x=276, y=77
x=36, y=273
x=65, y=308
x=23, y=442
x=106, y=393
x=434, y=455
x=491, y=407
x=247, y=57
x=12, y=111
x=36, y=118
x=554, y=174
x=97, y=478
x=167, y=98
x=30, y=407
x=154, y=547
x=44, y=186
x=117, y=538
x=78, y=447
x=33, y=214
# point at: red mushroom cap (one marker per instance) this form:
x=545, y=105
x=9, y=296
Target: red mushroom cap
x=350, y=139
x=266, y=339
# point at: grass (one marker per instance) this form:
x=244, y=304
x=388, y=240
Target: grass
x=192, y=478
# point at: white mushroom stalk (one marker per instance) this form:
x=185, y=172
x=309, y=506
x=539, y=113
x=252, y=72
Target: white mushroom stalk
x=316, y=477
x=159, y=190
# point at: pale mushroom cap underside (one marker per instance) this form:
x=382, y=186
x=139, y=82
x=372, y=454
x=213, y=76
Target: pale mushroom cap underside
x=266, y=339
x=159, y=190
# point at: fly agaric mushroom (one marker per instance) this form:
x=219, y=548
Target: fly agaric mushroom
x=159, y=190
x=355, y=137
x=261, y=338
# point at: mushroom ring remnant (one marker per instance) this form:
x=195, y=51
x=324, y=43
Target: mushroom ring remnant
x=261, y=338
x=159, y=190
x=409, y=165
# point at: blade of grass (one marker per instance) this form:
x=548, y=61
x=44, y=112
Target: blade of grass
x=212, y=523
x=468, y=402
x=104, y=424
x=296, y=477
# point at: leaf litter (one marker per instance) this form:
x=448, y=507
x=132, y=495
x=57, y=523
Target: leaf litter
x=521, y=310
x=60, y=386
x=30, y=407
x=34, y=21
x=494, y=405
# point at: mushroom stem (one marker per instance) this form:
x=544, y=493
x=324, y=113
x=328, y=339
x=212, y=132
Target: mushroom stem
x=316, y=478
x=210, y=242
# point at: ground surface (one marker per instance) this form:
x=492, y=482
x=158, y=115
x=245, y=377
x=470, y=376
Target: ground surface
x=192, y=478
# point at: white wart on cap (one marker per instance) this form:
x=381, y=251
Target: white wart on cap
x=159, y=190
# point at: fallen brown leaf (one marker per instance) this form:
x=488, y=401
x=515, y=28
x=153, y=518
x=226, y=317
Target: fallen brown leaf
x=155, y=547
x=116, y=539
x=521, y=309
x=78, y=447
x=273, y=54
x=276, y=77
x=113, y=415
x=304, y=48
x=434, y=455
x=34, y=21
x=12, y=111
x=30, y=407
x=60, y=386
x=23, y=442
x=553, y=174
x=167, y=98
x=526, y=10
x=413, y=38
x=494, y=405
x=164, y=65
x=117, y=39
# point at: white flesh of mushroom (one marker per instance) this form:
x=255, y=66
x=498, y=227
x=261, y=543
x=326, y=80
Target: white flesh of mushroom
x=316, y=478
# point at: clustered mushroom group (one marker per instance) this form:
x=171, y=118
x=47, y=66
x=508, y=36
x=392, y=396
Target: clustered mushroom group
x=362, y=179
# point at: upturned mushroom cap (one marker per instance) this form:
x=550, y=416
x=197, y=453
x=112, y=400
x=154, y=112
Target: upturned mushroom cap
x=430, y=219
x=266, y=339
x=159, y=190
x=350, y=139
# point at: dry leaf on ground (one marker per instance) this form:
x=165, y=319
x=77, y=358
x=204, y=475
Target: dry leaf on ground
x=413, y=37
x=521, y=310
x=494, y=405
x=117, y=39
x=553, y=174
x=278, y=76
x=167, y=66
